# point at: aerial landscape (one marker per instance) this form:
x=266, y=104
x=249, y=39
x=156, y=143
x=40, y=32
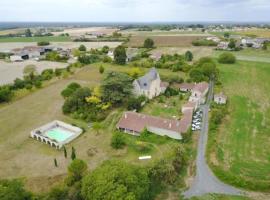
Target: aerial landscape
x=134, y=100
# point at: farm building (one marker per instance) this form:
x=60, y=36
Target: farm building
x=149, y=85
x=198, y=93
x=134, y=123
x=220, y=98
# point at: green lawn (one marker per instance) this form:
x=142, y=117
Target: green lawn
x=164, y=107
x=36, y=39
x=219, y=197
x=240, y=153
x=22, y=156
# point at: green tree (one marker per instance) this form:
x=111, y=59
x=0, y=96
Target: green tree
x=82, y=48
x=232, y=44
x=13, y=190
x=118, y=140
x=116, y=180
x=58, y=193
x=105, y=49
x=29, y=69
x=227, y=34
x=6, y=94
x=116, y=87
x=101, y=69
x=227, y=58
x=148, y=43
x=55, y=163
x=73, y=153
x=189, y=56
x=28, y=33
x=76, y=170
x=65, y=152
x=120, y=55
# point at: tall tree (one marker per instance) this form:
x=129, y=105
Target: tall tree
x=116, y=87
x=120, y=55
x=73, y=153
x=148, y=43
x=28, y=33
x=116, y=180
x=189, y=56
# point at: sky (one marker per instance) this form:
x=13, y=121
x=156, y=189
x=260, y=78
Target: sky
x=134, y=10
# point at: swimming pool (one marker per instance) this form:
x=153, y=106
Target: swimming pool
x=58, y=134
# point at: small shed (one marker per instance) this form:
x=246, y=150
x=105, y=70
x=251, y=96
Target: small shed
x=220, y=98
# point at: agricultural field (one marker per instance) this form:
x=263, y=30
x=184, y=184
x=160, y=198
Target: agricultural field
x=164, y=40
x=197, y=52
x=249, y=54
x=4, y=47
x=239, y=153
x=83, y=31
x=22, y=156
x=36, y=39
x=10, y=71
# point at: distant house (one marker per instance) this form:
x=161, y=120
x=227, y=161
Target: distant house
x=220, y=98
x=28, y=52
x=131, y=53
x=19, y=57
x=149, y=85
x=134, y=123
x=110, y=54
x=223, y=45
x=198, y=93
x=156, y=56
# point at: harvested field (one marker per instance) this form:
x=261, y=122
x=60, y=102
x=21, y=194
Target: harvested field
x=4, y=47
x=164, y=41
x=10, y=71
x=83, y=31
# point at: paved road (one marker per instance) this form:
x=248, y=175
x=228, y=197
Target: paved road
x=205, y=181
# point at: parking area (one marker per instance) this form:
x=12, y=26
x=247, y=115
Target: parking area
x=197, y=120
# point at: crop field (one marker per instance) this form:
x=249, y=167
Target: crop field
x=239, y=153
x=197, y=52
x=36, y=39
x=22, y=156
x=6, y=46
x=10, y=71
x=249, y=54
x=164, y=41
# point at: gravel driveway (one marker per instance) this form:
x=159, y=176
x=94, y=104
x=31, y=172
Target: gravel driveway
x=205, y=181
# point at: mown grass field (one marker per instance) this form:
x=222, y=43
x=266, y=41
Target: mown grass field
x=249, y=54
x=164, y=40
x=219, y=197
x=239, y=153
x=22, y=156
x=36, y=39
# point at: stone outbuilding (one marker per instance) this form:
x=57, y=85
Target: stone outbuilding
x=220, y=98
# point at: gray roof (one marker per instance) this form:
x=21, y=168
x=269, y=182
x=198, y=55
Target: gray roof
x=145, y=81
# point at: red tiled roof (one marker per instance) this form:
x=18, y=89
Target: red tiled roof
x=137, y=122
x=186, y=86
x=201, y=87
x=186, y=121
